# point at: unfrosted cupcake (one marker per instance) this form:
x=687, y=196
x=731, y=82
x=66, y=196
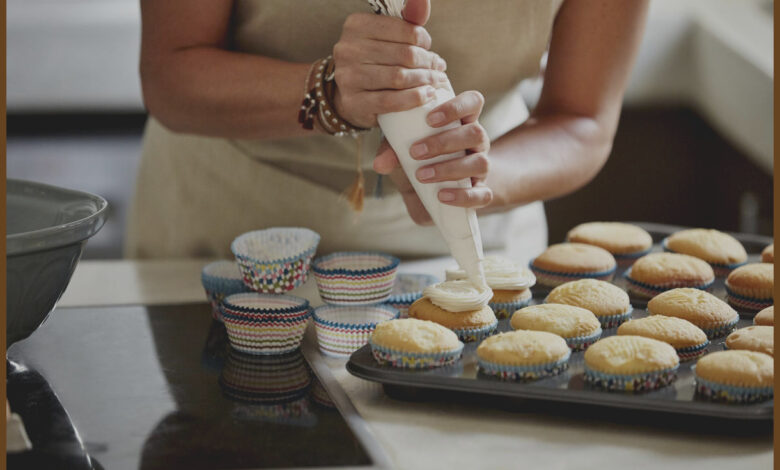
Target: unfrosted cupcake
x=511, y=284
x=608, y=302
x=577, y=326
x=687, y=339
x=753, y=338
x=630, y=364
x=626, y=242
x=569, y=261
x=750, y=287
x=658, y=272
x=765, y=317
x=721, y=250
x=523, y=355
x=414, y=344
x=735, y=376
x=768, y=255
x=714, y=316
x=459, y=306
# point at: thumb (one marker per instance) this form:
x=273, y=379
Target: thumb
x=417, y=11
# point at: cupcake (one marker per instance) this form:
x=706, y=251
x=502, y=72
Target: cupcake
x=735, y=376
x=753, y=338
x=768, y=255
x=626, y=242
x=658, y=272
x=523, y=355
x=687, y=339
x=630, y=363
x=721, y=250
x=414, y=344
x=765, y=317
x=750, y=287
x=459, y=306
x=511, y=284
x=577, y=326
x=608, y=302
x=701, y=308
x=569, y=261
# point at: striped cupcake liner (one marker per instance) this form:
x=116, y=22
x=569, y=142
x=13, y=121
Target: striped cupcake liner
x=581, y=343
x=221, y=279
x=556, y=278
x=720, y=269
x=751, y=304
x=412, y=360
x=692, y=352
x=252, y=304
x=265, y=378
x=506, y=309
x=355, y=278
x=264, y=338
x=342, y=330
x=630, y=382
x=614, y=321
x=408, y=288
x=731, y=393
x=523, y=372
x=651, y=290
x=470, y=335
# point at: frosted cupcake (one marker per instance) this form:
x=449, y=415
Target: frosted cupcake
x=566, y=262
x=658, y=272
x=459, y=306
x=626, y=242
x=722, y=251
x=750, y=287
x=511, y=284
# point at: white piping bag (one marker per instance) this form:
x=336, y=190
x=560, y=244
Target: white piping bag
x=457, y=225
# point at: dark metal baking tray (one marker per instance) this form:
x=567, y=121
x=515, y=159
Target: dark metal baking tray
x=569, y=388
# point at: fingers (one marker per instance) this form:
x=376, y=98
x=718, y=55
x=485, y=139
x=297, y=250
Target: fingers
x=366, y=51
x=384, y=77
x=475, y=165
x=465, y=108
x=416, y=209
x=475, y=197
x=471, y=137
x=386, y=160
x=384, y=28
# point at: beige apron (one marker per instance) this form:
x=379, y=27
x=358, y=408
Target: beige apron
x=195, y=194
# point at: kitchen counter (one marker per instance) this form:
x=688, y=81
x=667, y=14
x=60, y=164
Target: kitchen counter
x=447, y=435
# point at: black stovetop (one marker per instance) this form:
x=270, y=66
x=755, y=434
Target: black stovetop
x=160, y=388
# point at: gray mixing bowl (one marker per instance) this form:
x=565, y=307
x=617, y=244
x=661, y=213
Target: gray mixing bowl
x=46, y=230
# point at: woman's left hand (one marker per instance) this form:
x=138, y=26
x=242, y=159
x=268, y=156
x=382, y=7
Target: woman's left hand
x=471, y=137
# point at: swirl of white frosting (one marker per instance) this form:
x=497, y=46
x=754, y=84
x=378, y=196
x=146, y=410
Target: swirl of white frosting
x=500, y=273
x=457, y=296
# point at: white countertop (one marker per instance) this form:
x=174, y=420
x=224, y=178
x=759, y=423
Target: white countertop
x=450, y=435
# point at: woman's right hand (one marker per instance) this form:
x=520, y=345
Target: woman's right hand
x=383, y=64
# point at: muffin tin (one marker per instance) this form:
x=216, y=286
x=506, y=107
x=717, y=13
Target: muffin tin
x=569, y=388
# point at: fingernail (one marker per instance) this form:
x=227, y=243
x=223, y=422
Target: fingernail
x=425, y=174
x=446, y=196
x=435, y=118
x=418, y=150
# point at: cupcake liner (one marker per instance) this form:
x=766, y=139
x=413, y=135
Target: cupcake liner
x=692, y=352
x=556, y=278
x=614, y=321
x=651, y=290
x=342, y=330
x=580, y=343
x=221, y=279
x=267, y=379
x=262, y=335
x=355, y=278
x=744, y=302
x=407, y=289
x=631, y=382
x=254, y=304
x=275, y=260
x=720, y=269
x=506, y=309
x=731, y=393
x=413, y=360
x=524, y=372
x=469, y=335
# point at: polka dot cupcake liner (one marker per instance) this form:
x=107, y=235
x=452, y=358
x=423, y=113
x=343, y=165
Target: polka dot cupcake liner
x=275, y=260
x=630, y=382
x=342, y=330
x=720, y=269
x=355, y=278
x=411, y=360
x=555, y=278
x=506, y=309
x=731, y=393
x=221, y=279
x=407, y=289
x=692, y=352
x=581, y=343
x=651, y=290
x=470, y=335
x=750, y=304
x=528, y=372
x=614, y=321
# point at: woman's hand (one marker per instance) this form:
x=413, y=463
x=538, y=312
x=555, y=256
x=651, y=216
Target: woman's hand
x=382, y=65
x=471, y=137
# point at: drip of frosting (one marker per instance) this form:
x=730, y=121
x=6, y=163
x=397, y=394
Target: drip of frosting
x=500, y=273
x=458, y=296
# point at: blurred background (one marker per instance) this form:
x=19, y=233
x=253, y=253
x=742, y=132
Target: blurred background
x=694, y=145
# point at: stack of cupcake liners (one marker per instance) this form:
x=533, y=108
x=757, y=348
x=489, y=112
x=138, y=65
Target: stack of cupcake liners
x=342, y=329
x=355, y=278
x=221, y=279
x=408, y=288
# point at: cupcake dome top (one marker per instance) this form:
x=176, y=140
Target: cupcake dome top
x=677, y=332
x=413, y=335
x=710, y=245
x=753, y=338
x=600, y=297
x=630, y=355
x=616, y=237
x=564, y=320
x=694, y=305
x=739, y=368
x=753, y=276
x=523, y=347
x=662, y=268
x=575, y=258
x=768, y=255
x=765, y=317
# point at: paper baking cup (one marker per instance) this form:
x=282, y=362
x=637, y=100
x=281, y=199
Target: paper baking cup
x=355, y=278
x=720, y=269
x=630, y=382
x=651, y=290
x=265, y=379
x=506, y=309
x=614, y=321
x=264, y=323
x=342, y=330
x=731, y=393
x=692, y=352
x=750, y=304
x=581, y=343
x=555, y=278
x=275, y=260
x=407, y=289
x=411, y=360
x=220, y=279
x=470, y=335
x=529, y=372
